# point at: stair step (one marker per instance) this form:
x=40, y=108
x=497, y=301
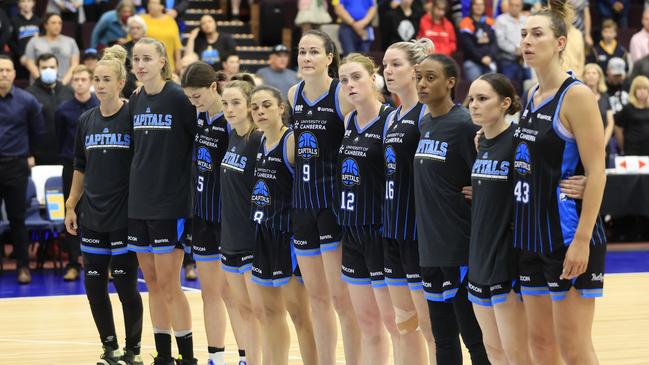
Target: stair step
x=232, y=27
x=253, y=65
x=254, y=52
x=197, y=14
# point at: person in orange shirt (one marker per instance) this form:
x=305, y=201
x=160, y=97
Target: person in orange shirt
x=434, y=26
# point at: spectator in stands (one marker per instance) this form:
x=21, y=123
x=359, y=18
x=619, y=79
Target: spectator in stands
x=64, y=48
x=581, y=19
x=434, y=26
x=508, y=36
x=50, y=92
x=404, y=21
x=5, y=30
x=21, y=127
x=617, y=10
x=89, y=59
x=112, y=27
x=67, y=119
x=277, y=74
x=210, y=45
x=639, y=46
x=311, y=14
x=231, y=66
x=355, y=33
x=136, y=29
x=574, y=55
x=68, y=9
x=235, y=7
x=615, y=73
x=594, y=79
x=163, y=27
x=640, y=67
x=25, y=25
x=478, y=42
x=632, y=122
x=91, y=10
x=608, y=47
x=532, y=6
x=185, y=61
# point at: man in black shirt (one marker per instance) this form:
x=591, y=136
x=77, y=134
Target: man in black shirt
x=25, y=26
x=21, y=124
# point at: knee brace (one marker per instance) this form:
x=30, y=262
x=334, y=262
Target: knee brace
x=407, y=321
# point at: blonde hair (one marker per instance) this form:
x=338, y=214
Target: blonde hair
x=367, y=63
x=639, y=82
x=115, y=57
x=415, y=50
x=81, y=68
x=162, y=52
x=601, y=84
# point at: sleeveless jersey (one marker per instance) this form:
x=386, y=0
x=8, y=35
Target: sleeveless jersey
x=491, y=255
x=210, y=144
x=360, y=185
x=442, y=166
x=546, y=153
x=237, y=170
x=319, y=129
x=400, y=142
x=271, y=192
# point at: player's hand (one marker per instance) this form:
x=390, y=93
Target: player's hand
x=467, y=191
x=576, y=260
x=71, y=221
x=31, y=161
x=476, y=139
x=574, y=186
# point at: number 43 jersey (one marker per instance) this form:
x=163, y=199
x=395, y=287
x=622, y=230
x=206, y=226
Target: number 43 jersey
x=545, y=219
x=361, y=177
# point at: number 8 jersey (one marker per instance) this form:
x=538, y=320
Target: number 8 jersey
x=546, y=153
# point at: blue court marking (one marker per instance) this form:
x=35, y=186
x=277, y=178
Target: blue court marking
x=627, y=262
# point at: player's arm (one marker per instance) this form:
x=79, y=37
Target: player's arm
x=290, y=148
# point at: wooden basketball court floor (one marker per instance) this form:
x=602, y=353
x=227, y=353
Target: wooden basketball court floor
x=60, y=330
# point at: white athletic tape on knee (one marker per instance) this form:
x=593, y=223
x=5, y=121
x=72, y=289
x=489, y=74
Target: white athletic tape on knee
x=407, y=321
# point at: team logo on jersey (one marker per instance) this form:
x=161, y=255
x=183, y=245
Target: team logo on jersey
x=200, y=122
x=260, y=194
x=350, y=175
x=390, y=160
x=203, y=159
x=107, y=140
x=298, y=108
x=522, y=162
x=309, y=113
x=307, y=146
x=432, y=149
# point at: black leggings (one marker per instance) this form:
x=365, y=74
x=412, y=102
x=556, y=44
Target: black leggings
x=448, y=321
x=124, y=269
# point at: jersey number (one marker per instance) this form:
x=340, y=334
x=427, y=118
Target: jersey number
x=522, y=192
x=199, y=185
x=389, y=190
x=306, y=173
x=347, y=201
x=258, y=217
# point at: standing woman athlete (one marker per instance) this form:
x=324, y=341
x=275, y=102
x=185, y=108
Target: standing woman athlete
x=560, y=134
x=274, y=265
x=164, y=125
x=442, y=165
x=200, y=84
x=238, y=230
x=401, y=254
x=318, y=113
x=359, y=195
x=99, y=190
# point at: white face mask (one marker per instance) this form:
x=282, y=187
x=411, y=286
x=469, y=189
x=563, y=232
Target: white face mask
x=49, y=75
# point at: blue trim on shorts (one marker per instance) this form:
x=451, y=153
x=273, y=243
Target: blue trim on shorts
x=237, y=269
x=163, y=249
x=591, y=293
x=559, y=295
x=207, y=258
x=270, y=282
x=309, y=252
x=299, y=279
x=396, y=282
x=331, y=246
x=376, y=284
x=180, y=228
x=139, y=249
x=445, y=296
x=416, y=286
x=119, y=251
x=534, y=290
x=356, y=281
x=95, y=250
x=479, y=301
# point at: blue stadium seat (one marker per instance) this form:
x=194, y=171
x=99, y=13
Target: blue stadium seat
x=40, y=230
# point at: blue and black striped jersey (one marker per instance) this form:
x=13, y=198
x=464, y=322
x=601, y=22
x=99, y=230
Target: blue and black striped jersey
x=545, y=153
x=319, y=128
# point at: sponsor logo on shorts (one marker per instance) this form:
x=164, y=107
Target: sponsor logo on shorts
x=326, y=237
x=117, y=243
x=413, y=276
x=200, y=249
x=597, y=277
x=278, y=272
x=446, y=283
x=552, y=284
x=92, y=273
x=525, y=278
x=347, y=269
x=257, y=270
x=132, y=238
x=496, y=287
x=376, y=273
x=299, y=242
x=245, y=258
x=427, y=284
x=387, y=270
x=90, y=240
x=119, y=272
x=475, y=288
x=162, y=240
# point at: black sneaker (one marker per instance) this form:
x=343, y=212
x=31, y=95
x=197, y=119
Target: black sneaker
x=163, y=361
x=187, y=362
x=111, y=357
x=130, y=358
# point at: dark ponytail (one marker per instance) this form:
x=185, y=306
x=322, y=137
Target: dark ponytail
x=504, y=88
x=198, y=75
x=277, y=95
x=330, y=47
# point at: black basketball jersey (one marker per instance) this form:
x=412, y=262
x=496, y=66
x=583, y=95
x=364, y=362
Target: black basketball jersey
x=401, y=137
x=360, y=182
x=546, y=153
x=103, y=152
x=210, y=144
x=442, y=165
x=237, y=180
x=319, y=129
x=273, y=186
x=491, y=255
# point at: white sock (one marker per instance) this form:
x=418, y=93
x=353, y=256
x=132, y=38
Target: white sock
x=218, y=358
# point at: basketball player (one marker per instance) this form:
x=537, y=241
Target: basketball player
x=238, y=230
x=442, y=167
x=359, y=195
x=199, y=82
x=401, y=254
x=164, y=125
x=99, y=194
x=318, y=111
x=274, y=268
x=563, y=242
